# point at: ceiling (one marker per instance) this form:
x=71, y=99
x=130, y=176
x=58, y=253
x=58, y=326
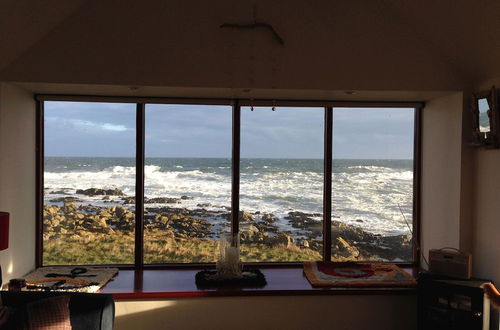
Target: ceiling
x=464, y=35
x=465, y=32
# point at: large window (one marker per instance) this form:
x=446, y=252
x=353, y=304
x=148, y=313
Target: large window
x=89, y=183
x=281, y=189
x=137, y=183
x=372, y=185
x=187, y=181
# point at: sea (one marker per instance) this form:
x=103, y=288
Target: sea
x=375, y=194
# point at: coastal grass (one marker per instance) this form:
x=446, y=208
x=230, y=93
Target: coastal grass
x=158, y=248
x=102, y=249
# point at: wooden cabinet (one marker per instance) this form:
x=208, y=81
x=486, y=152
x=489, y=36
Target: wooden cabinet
x=449, y=304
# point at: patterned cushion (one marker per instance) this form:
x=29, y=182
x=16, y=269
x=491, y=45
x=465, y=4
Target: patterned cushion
x=50, y=313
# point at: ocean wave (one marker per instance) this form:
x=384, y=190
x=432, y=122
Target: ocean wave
x=370, y=168
x=366, y=196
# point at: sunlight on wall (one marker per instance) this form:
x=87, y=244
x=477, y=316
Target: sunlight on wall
x=132, y=307
x=7, y=264
x=17, y=175
x=10, y=268
x=270, y=312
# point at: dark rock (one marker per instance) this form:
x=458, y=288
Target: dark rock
x=281, y=240
x=303, y=243
x=269, y=217
x=58, y=192
x=245, y=216
x=305, y=221
x=65, y=199
x=267, y=227
x=191, y=227
x=248, y=234
x=369, y=245
x=69, y=207
x=129, y=200
x=315, y=245
x=162, y=200
x=344, y=249
x=97, y=191
x=203, y=205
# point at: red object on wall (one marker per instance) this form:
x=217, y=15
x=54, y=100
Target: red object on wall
x=4, y=230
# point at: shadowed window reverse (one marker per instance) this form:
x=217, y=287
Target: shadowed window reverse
x=187, y=182
x=89, y=183
x=372, y=184
x=281, y=192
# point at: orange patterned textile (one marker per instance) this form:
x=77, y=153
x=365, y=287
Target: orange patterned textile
x=350, y=274
x=69, y=278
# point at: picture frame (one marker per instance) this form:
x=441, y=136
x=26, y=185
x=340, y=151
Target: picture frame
x=486, y=119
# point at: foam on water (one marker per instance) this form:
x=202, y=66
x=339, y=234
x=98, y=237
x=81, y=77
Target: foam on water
x=365, y=193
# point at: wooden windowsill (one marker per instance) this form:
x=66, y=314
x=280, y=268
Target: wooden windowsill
x=175, y=283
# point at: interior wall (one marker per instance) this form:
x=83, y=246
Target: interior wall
x=467, y=180
x=337, y=312
x=486, y=248
x=17, y=178
x=441, y=173
x=441, y=214
x=486, y=216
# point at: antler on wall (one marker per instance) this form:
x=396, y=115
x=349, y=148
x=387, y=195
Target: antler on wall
x=255, y=25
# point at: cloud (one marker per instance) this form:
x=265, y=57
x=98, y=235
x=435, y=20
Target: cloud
x=111, y=127
x=86, y=125
x=205, y=131
x=373, y=133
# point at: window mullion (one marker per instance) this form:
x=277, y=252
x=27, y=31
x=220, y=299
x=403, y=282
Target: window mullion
x=235, y=168
x=139, y=186
x=417, y=168
x=327, y=186
x=39, y=182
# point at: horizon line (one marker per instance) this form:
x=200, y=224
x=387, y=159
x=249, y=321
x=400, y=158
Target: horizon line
x=191, y=157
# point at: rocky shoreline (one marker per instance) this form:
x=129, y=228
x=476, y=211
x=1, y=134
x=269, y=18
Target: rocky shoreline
x=68, y=217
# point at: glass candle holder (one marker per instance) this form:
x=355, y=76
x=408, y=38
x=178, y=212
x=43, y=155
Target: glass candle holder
x=228, y=256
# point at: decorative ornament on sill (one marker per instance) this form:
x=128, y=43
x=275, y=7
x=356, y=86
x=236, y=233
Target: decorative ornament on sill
x=228, y=263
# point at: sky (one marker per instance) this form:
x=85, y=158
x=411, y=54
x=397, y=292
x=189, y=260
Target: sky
x=87, y=129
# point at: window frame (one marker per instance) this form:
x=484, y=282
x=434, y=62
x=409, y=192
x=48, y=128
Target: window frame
x=236, y=104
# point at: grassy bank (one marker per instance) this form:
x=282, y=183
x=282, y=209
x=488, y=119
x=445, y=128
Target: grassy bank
x=158, y=248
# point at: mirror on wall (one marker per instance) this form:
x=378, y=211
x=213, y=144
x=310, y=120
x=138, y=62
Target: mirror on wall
x=486, y=119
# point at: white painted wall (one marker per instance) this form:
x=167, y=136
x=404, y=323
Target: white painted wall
x=486, y=246
x=441, y=173
x=17, y=178
x=440, y=215
x=486, y=243
x=337, y=312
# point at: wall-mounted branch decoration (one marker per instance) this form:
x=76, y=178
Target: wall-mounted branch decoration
x=486, y=119
x=255, y=25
